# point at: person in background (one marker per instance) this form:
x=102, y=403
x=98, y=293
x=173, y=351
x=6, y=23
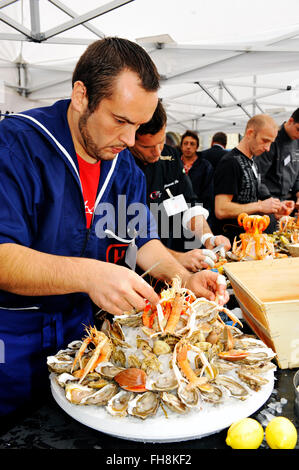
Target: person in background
x=199, y=170
x=166, y=178
x=279, y=167
x=237, y=180
x=59, y=164
x=217, y=149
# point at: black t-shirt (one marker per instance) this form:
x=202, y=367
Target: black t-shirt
x=166, y=178
x=236, y=174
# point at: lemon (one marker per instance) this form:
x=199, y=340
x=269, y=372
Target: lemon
x=281, y=433
x=247, y=433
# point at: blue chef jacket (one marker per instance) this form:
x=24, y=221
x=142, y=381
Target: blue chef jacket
x=42, y=207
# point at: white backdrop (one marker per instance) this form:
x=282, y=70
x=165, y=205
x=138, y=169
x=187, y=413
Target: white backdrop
x=221, y=61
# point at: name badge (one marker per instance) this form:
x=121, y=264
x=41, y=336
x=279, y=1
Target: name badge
x=287, y=160
x=174, y=205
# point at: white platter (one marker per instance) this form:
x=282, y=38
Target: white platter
x=194, y=425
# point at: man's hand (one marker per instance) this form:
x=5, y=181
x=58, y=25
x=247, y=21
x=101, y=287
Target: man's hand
x=286, y=207
x=218, y=240
x=270, y=205
x=197, y=259
x=204, y=284
x=117, y=289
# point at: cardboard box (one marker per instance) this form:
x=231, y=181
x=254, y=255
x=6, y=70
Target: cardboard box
x=268, y=294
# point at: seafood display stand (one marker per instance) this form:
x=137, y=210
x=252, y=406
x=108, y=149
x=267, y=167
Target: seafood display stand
x=194, y=425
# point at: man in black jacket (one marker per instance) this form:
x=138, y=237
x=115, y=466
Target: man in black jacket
x=217, y=149
x=279, y=167
x=169, y=186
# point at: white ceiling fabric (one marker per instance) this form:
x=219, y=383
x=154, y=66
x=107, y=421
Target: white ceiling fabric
x=221, y=61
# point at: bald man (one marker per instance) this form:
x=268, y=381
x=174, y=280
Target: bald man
x=237, y=179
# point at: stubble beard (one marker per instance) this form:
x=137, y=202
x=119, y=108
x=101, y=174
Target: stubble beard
x=90, y=146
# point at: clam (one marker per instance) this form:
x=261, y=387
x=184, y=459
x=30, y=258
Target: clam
x=144, y=405
x=151, y=362
x=118, y=404
x=235, y=388
x=102, y=396
x=174, y=403
x=161, y=347
x=134, y=361
x=143, y=344
x=76, y=392
x=188, y=394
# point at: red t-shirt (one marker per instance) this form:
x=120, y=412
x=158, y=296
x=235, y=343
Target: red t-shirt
x=89, y=176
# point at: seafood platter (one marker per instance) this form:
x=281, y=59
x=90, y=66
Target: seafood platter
x=253, y=244
x=169, y=373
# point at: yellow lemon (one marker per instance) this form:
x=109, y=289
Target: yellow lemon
x=281, y=433
x=246, y=433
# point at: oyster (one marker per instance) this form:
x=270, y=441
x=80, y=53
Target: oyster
x=144, y=405
x=108, y=370
x=133, y=320
x=118, y=404
x=252, y=378
x=76, y=392
x=188, y=394
x=64, y=378
x=213, y=397
x=235, y=388
x=174, y=403
x=102, y=396
x=59, y=364
x=163, y=382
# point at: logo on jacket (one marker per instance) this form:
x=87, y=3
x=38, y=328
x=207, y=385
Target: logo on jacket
x=155, y=194
x=115, y=252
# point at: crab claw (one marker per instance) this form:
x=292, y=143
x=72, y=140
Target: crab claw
x=233, y=355
x=132, y=379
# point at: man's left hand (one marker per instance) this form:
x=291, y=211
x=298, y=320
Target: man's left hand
x=204, y=284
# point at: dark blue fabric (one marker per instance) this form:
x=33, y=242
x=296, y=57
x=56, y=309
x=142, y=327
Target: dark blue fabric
x=42, y=207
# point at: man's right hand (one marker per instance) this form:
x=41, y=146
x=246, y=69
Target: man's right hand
x=270, y=205
x=117, y=289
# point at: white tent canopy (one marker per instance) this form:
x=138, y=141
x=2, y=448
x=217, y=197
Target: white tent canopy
x=221, y=61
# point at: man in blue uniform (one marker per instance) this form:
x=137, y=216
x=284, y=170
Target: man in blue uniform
x=53, y=256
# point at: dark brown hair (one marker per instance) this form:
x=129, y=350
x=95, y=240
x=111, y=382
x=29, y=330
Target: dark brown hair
x=295, y=115
x=105, y=59
x=156, y=123
x=190, y=134
x=220, y=138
